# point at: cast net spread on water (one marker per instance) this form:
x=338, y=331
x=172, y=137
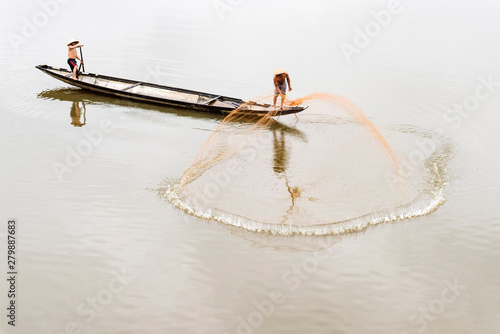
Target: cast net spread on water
x=328, y=172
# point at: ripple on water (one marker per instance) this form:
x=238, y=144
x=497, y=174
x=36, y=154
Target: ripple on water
x=323, y=175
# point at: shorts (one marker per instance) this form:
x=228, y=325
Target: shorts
x=72, y=63
x=282, y=89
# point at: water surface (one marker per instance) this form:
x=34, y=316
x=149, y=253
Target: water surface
x=107, y=217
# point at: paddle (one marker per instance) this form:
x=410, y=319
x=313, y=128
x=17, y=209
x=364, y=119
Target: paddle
x=81, y=57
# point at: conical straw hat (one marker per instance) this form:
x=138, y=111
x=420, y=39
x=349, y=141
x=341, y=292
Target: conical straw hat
x=72, y=41
x=279, y=71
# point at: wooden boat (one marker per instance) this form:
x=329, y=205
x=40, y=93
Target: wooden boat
x=88, y=99
x=177, y=97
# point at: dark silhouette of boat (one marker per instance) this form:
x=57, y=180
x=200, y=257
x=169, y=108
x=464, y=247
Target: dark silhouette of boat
x=159, y=94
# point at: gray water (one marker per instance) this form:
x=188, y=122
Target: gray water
x=102, y=249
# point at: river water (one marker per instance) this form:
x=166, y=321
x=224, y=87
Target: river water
x=316, y=231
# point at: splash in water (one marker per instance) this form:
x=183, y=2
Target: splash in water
x=202, y=160
x=323, y=173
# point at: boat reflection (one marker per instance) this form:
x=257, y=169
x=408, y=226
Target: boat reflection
x=95, y=99
x=87, y=98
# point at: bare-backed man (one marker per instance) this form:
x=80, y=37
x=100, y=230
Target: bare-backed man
x=281, y=78
x=73, y=56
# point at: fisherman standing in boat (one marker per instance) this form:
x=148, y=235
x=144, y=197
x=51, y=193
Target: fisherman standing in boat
x=73, y=56
x=280, y=79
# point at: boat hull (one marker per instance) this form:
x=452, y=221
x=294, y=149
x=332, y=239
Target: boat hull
x=164, y=95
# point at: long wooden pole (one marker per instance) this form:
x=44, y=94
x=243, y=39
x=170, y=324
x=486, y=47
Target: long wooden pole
x=81, y=57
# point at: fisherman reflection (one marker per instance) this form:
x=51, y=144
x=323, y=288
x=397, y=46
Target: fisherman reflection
x=76, y=114
x=280, y=153
x=280, y=165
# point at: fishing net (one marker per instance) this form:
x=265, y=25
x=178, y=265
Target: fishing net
x=330, y=171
